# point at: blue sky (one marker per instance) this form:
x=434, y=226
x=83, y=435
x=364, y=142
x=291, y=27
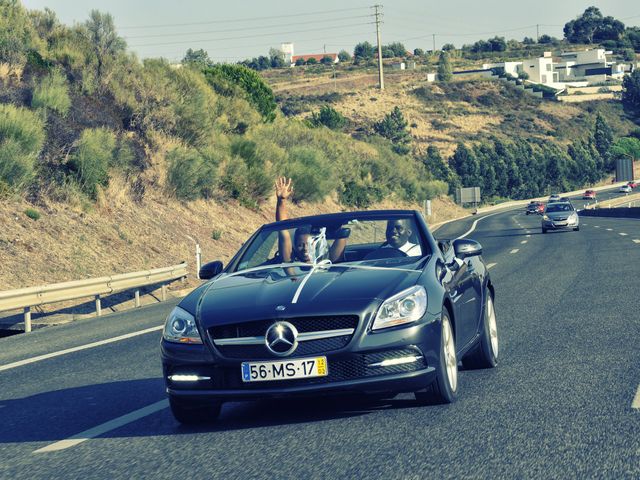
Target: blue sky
x=230, y=31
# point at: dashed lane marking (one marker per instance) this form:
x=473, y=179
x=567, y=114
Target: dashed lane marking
x=636, y=400
x=78, y=348
x=636, y=240
x=491, y=265
x=524, y=241
x=515, y=250
x=105, y=427
x=609, y=229
x=597, y=226
x=623, y=234
x=528, y=236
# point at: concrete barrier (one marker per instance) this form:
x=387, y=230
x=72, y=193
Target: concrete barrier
x=633, y=212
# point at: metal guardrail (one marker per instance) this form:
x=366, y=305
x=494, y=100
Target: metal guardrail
x=26, y=298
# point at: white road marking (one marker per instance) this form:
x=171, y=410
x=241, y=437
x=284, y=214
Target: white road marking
x=528, y=236
x=491, y=265
x=524, y=241
x=636, y=399
x=78, y=348
x=597, y=226
x=635, y=240
x=105, y=427
x=623, y=234
x=609, y=229
x=473, y=225
x=515, y=250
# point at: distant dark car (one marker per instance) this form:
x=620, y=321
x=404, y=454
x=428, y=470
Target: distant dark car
x=379, y=319
x=560, y=215
x=534, y=208
x=633, y=184
x=589, y=195
x=553, y=198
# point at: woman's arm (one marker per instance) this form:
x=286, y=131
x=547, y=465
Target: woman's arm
x=284, y=189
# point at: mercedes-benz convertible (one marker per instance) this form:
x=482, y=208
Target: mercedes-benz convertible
x=347, y=303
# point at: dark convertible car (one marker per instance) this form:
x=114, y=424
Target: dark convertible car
x=369, y=302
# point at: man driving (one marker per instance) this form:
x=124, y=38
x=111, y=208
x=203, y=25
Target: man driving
x=398, y=234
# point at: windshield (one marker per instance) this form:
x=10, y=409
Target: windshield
x=559, y=207
x=390, y=241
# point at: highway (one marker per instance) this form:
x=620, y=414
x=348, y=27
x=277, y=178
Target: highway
x=564, y=401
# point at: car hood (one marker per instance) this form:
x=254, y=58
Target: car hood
x=255, y=295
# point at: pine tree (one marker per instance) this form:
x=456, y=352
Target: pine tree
x=603, y=139
x=444, y=68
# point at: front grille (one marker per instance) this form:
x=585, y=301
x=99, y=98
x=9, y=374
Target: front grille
x=302, y=324
x=309, y=347
x=339, y=371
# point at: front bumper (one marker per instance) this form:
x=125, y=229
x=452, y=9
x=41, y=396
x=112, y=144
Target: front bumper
x=350, y=369
x=560, y=224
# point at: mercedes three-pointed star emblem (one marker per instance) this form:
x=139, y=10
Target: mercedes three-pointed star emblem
x=281, y=338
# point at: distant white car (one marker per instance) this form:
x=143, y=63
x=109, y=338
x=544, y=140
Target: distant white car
x=625, y=189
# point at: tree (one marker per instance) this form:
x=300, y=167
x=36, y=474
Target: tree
x=528, y=41
x=464, y=163
x=592, y=27
x=326, y=60
x=299, y=62
x=276, y=58
x=258, y=92
x=363, y=51
x=626, y=147
x=394, y=127
x=328, y=117
x=497, y=44
x=198, y=58
x=444, y=67
x=344, y=56
x=631, y=92
x=418, y=52
x=602, y=139
x=311, y=61
x=545, y=39
x=448, y=47
x=396, y=49
x=436, y=166
x=102, y=35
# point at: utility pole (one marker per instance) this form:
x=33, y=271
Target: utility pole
x=434, y=43
x=380, y=73
x=537, y=33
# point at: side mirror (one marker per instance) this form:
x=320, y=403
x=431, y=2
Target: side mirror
x=210, y=270
x=464, y=248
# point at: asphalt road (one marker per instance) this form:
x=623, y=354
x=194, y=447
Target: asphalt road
x=559, y=405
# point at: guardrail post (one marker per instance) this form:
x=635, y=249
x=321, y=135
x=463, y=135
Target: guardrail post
x=163, y=292
x=98, y=306
x=137, y=298
x=27, y=319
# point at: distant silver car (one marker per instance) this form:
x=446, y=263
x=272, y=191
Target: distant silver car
x=560, y=215
x=625, y=189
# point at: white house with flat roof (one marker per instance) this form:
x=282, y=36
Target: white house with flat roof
x=540, y=70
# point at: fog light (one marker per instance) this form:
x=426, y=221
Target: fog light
x=396, y=361
x=187, y=378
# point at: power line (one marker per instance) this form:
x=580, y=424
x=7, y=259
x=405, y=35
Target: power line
x=248, y=36
x=163, y=35
x=234, y=20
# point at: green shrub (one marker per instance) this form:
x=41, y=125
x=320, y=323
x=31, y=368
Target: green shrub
x=32, y=214
x=190, y=175
x=328, y=117
x=359, y=194
x=216, y=234
x=21, y=139
x=311, y=173
x=52, y=92
x=91, y=160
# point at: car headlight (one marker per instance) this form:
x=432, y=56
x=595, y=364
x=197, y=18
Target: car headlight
x=404, y=307
x=180, y=327
x=573, y=217
x=545, y=217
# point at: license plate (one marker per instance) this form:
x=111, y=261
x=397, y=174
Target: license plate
x=284, y=370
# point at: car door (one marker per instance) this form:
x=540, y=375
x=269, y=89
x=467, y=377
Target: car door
x=462, y=291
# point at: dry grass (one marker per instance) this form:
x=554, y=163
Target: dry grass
x=120, y=236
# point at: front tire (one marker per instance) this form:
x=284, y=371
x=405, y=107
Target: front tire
x=577, y=229
x=485, y=355
x=192, y=412
x=544, y=230
x=444, y=388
